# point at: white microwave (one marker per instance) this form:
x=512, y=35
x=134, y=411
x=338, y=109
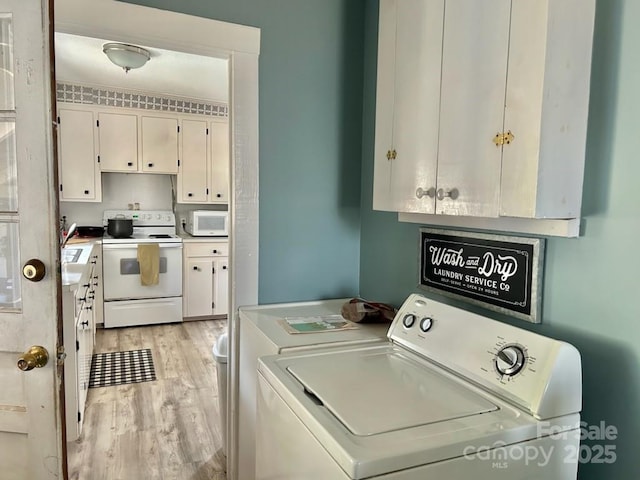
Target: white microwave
x=208, y=223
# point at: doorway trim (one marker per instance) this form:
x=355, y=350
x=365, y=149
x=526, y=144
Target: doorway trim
x=239, y=44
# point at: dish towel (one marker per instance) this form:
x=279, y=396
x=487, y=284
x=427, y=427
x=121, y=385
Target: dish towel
x=149, y=260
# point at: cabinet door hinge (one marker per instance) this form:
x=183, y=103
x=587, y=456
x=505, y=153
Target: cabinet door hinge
x=213, y=305
x=178, y=162
x=503, y=138
x=79, y=416
x=178, y=128
x=97, y=123
x=77, y=345
x=391, y=154
x=58, y=120
x=98, y=158
x=207, y=191
x=207, y=131
x=60, y=187
x=213, y=269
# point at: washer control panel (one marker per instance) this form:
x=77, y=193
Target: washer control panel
x=499, y=356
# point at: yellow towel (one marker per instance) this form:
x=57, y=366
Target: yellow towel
x=149, y=260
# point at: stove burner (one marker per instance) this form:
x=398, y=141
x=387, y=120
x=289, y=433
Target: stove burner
x=159, y=235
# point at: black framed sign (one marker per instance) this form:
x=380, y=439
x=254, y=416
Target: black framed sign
x=498, y=272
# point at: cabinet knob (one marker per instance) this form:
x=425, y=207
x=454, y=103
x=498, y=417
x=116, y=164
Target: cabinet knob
x=85, y=323
x=431, y=193
x=189, y=194
x=215, y=251
x=86, y=192
x=129, y=164
x=224, y=267
x=150, y=165
x=196, y=269
x=452, y=194
x=219, y=195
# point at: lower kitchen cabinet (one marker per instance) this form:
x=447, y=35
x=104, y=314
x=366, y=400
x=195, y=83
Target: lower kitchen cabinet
x=206, y=278
x=82, y=306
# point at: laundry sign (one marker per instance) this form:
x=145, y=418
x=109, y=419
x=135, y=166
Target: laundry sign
x=502, y=273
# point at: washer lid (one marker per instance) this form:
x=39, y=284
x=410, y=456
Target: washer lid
x=377, y=392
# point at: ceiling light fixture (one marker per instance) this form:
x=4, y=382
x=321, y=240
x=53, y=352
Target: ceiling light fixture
x=126, y=56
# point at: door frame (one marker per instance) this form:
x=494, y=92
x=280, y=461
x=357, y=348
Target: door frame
x=239, y=44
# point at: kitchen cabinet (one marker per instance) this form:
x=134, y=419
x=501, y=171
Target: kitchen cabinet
x=81, y=302
x=159, y=136
x=79, y=172
x=203, y=176
x=206, y=278
x=482, y=107
x=118, y=142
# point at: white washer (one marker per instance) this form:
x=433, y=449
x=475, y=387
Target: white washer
x=451, y=395
x=261, y=333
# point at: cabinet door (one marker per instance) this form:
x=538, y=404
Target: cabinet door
x=474, y=72
x=84, y=347
x=407, y=104
x=79, y=173
x=159, y=145
x=198, y=291
x=118, y=142
x=221, y=286
x=219, y=184
x=192, y=174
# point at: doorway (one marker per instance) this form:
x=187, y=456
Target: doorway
x=240, y=45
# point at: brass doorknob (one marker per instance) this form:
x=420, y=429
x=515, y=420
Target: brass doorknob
x=35, y=357
x=34, y=270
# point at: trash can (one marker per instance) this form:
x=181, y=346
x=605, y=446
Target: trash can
x=220, y=349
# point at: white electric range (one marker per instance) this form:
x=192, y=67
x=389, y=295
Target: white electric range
x=126, y=301
x=451, y=395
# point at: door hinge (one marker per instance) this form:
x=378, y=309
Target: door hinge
x=213, y=269
x=60, y=187
x=178, y=162
x=58, y=120
x=61, y=355
x=503, y=138
x=391, y=154
x=207, y=131
x=178, y=128
x=98, y=158
x=213, y=305
x=77, y=345
x=79, y=416
x=97, y=123
x=207, y=191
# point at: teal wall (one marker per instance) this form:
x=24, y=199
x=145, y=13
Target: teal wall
x=310, y=140
x=591, y=294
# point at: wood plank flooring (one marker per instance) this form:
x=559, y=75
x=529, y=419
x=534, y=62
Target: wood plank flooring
x=168, y=429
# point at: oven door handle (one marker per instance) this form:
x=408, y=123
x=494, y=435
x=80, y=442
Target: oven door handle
x=133, y=246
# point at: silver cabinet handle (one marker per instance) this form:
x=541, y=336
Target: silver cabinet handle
x=452, y=194
x=431, y=193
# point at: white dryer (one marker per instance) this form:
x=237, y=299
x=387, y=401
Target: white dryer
x=452, y=395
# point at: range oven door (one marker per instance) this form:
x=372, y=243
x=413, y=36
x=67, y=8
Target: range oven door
x=122, y=272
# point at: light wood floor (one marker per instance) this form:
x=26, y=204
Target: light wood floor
x=168, y=429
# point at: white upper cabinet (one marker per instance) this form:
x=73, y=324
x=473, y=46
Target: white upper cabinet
x=159, y=144
x=219, y=161
x=203, y=176
x=79, y=172
x=192, y=176
x=482, y=107
x=407, y=107
x=118, y=142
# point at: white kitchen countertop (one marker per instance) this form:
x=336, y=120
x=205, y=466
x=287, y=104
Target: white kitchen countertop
x=72, y=271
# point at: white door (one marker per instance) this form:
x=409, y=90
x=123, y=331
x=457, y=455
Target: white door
x=30, y=431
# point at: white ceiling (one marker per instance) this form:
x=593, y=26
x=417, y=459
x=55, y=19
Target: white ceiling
x=81, y=60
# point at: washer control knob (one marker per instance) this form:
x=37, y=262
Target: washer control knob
x=510, y=360
x=408, y=320
x=426, y=323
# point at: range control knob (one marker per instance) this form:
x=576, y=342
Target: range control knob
x=510, y=360
x=408, y=320
x=426, y=323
